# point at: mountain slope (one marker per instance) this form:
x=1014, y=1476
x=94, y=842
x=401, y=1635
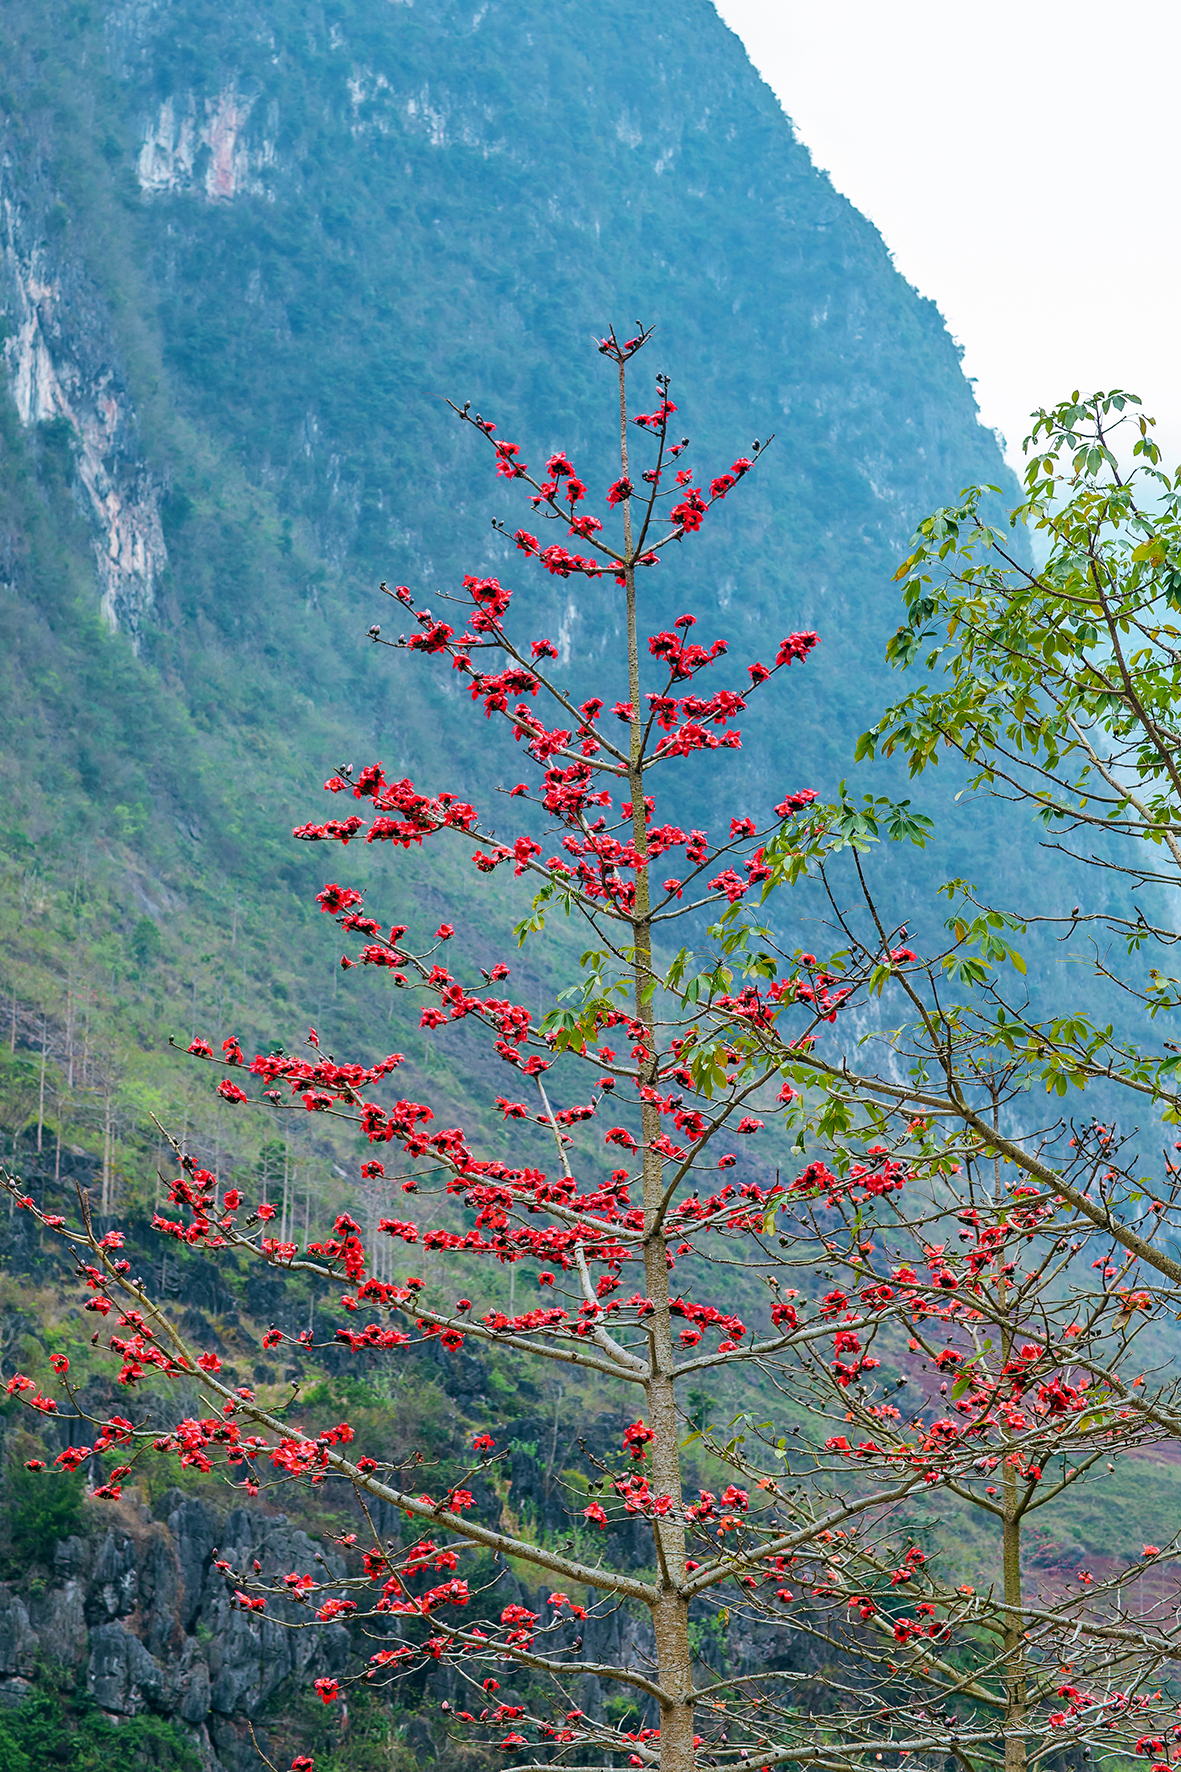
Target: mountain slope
x=248, y=253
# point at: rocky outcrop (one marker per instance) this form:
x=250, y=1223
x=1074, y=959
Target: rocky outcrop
x=61, y=368
x=187, y=147
x=142, y=1618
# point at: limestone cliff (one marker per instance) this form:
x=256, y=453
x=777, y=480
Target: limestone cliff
x=136, y=1613
x=63, y=367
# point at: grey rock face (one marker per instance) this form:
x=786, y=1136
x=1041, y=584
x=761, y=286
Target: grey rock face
x=143, y=1619
x=114, y=1584
x=193, y=1528
x=193, y=1689
x=160, y=1585
x=18, y=1642
x=251, y=1656
x=58, y=1618
x=122, y=1677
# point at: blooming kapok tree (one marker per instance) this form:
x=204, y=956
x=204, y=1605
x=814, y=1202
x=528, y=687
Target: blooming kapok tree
x=681, y=1055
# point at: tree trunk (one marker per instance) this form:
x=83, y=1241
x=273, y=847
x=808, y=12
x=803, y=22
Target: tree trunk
x=670, y=1616
x=1015, y=1692
x=41, y=1090
x=1014, y=1677
x=105, y=1198
x=674, y=1662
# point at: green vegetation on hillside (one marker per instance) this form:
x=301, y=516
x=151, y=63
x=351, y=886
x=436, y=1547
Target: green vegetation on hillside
x=46, y=1731
x=417, y=203
x=398, y=219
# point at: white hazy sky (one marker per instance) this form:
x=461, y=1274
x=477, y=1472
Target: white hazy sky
x=1020, y=160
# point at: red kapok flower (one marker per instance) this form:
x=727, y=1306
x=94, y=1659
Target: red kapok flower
x=334, y=898
x=794, y=803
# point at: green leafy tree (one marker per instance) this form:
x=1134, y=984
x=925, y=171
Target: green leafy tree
x=1059, y=688
x=41, y=1514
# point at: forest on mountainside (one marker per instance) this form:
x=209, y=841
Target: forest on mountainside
x=249, y=255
